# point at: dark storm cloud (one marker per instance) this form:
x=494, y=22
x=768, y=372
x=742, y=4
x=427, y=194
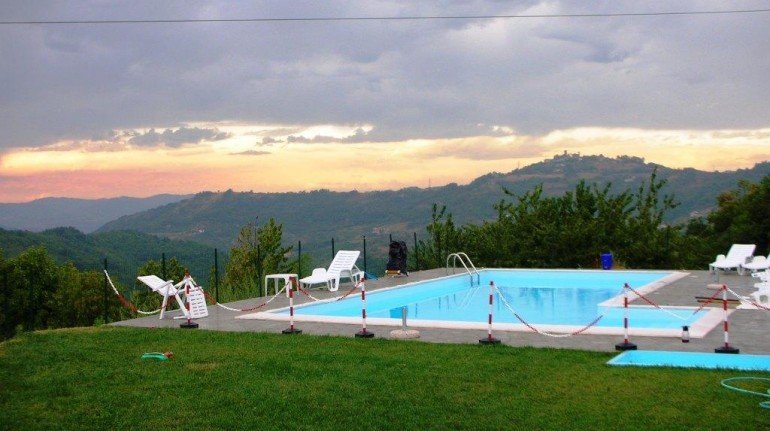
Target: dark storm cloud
x=408, y=79
x=176, y=138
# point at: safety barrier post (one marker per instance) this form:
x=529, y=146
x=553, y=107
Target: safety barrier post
x=189, y=324
x=291, y=329
x=625, y=345
x=726, y=348
x=489, y=339
x=363, y=333
x=416, y=254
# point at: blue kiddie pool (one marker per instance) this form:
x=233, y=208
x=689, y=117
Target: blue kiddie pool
x=649, y=358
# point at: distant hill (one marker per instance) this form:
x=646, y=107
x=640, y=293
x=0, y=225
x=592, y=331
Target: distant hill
x=85, y=215
x=317, y=216
x=125, y=251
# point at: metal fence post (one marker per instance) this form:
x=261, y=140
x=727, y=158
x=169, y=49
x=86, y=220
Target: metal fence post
x=105, y=292
x=364, y=236
x=163, y=274
x=333, y=248
x=299, y=259
x=416, y=253
x=216, y=275
x=259, y=269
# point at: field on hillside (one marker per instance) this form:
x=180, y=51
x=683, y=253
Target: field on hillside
x=94, y=379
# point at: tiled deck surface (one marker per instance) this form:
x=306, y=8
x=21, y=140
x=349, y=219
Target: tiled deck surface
x=749, y=329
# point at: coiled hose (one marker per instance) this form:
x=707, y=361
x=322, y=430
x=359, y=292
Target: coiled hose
x=763, y=404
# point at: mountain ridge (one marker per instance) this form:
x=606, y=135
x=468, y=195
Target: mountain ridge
x=214, y=217
x=86, y=215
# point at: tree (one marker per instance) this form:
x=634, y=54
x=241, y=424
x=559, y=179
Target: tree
x=258, y=251
x=79, y=298
x=443, y=238
x=742, y=216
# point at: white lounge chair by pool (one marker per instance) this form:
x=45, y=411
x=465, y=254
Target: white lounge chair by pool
x=736, y=256
x=758, y=263
x=318, y=276
x=343, y=266
x=165, y=289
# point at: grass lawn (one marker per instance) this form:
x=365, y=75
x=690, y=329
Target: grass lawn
x=93, y=378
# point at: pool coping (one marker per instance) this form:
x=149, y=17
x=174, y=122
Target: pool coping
x=697, y=329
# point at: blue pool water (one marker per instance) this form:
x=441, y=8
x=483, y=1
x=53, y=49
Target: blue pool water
x=539, y=297
x=641, y=358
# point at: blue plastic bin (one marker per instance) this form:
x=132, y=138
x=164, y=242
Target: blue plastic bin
x=606, y=259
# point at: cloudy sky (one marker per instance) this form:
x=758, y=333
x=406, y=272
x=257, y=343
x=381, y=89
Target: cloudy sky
x=101, y=110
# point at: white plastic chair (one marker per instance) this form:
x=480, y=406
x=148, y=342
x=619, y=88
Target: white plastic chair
x=757, y=263
x=343, y=266
x=166, y=289
x=738, y=255
x=319, y=276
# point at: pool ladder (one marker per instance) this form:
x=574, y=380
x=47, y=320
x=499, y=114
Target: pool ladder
x=466, y=262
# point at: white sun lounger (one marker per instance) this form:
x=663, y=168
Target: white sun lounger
x=343, y=266
x=166, y=289
x=738, y=255
x=758, y=263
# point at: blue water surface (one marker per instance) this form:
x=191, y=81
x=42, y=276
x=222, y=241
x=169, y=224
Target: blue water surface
x=538, y=297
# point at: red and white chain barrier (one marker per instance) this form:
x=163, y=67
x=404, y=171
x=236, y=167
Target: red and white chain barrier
x=747, y=300
x=244, y=310
x=336, y=298
x=652, y=303
x=126, y=303
x=507, y=305
x=363, y=333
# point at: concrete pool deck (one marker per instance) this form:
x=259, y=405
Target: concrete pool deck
x=749, y=329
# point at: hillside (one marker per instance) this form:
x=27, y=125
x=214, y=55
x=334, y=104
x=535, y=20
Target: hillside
x=317, y=216
x=85, y=215
x=125, y=251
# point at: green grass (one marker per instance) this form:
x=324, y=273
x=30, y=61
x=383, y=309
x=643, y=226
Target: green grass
x=94, y=379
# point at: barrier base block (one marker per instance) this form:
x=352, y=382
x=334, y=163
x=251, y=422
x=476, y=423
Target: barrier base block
x=188, y=325
x=622, y=347
x=727, y=349
x=291, y=331
x=364, y=334
x=489, y=340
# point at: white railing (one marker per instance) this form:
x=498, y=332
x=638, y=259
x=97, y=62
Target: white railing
x=470, y=268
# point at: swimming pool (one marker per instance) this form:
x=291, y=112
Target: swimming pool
x=553, y=300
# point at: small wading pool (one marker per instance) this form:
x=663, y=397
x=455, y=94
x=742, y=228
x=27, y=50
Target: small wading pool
x=646, y=358
x=551, y=300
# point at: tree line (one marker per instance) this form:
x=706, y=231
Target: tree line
x=572, y=230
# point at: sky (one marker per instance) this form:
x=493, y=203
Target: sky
x=94, y=110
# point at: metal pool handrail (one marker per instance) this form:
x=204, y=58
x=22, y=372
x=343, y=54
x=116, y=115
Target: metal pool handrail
x=462, y=257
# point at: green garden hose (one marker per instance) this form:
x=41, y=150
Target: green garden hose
x=157, y=356
x=763, y=404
